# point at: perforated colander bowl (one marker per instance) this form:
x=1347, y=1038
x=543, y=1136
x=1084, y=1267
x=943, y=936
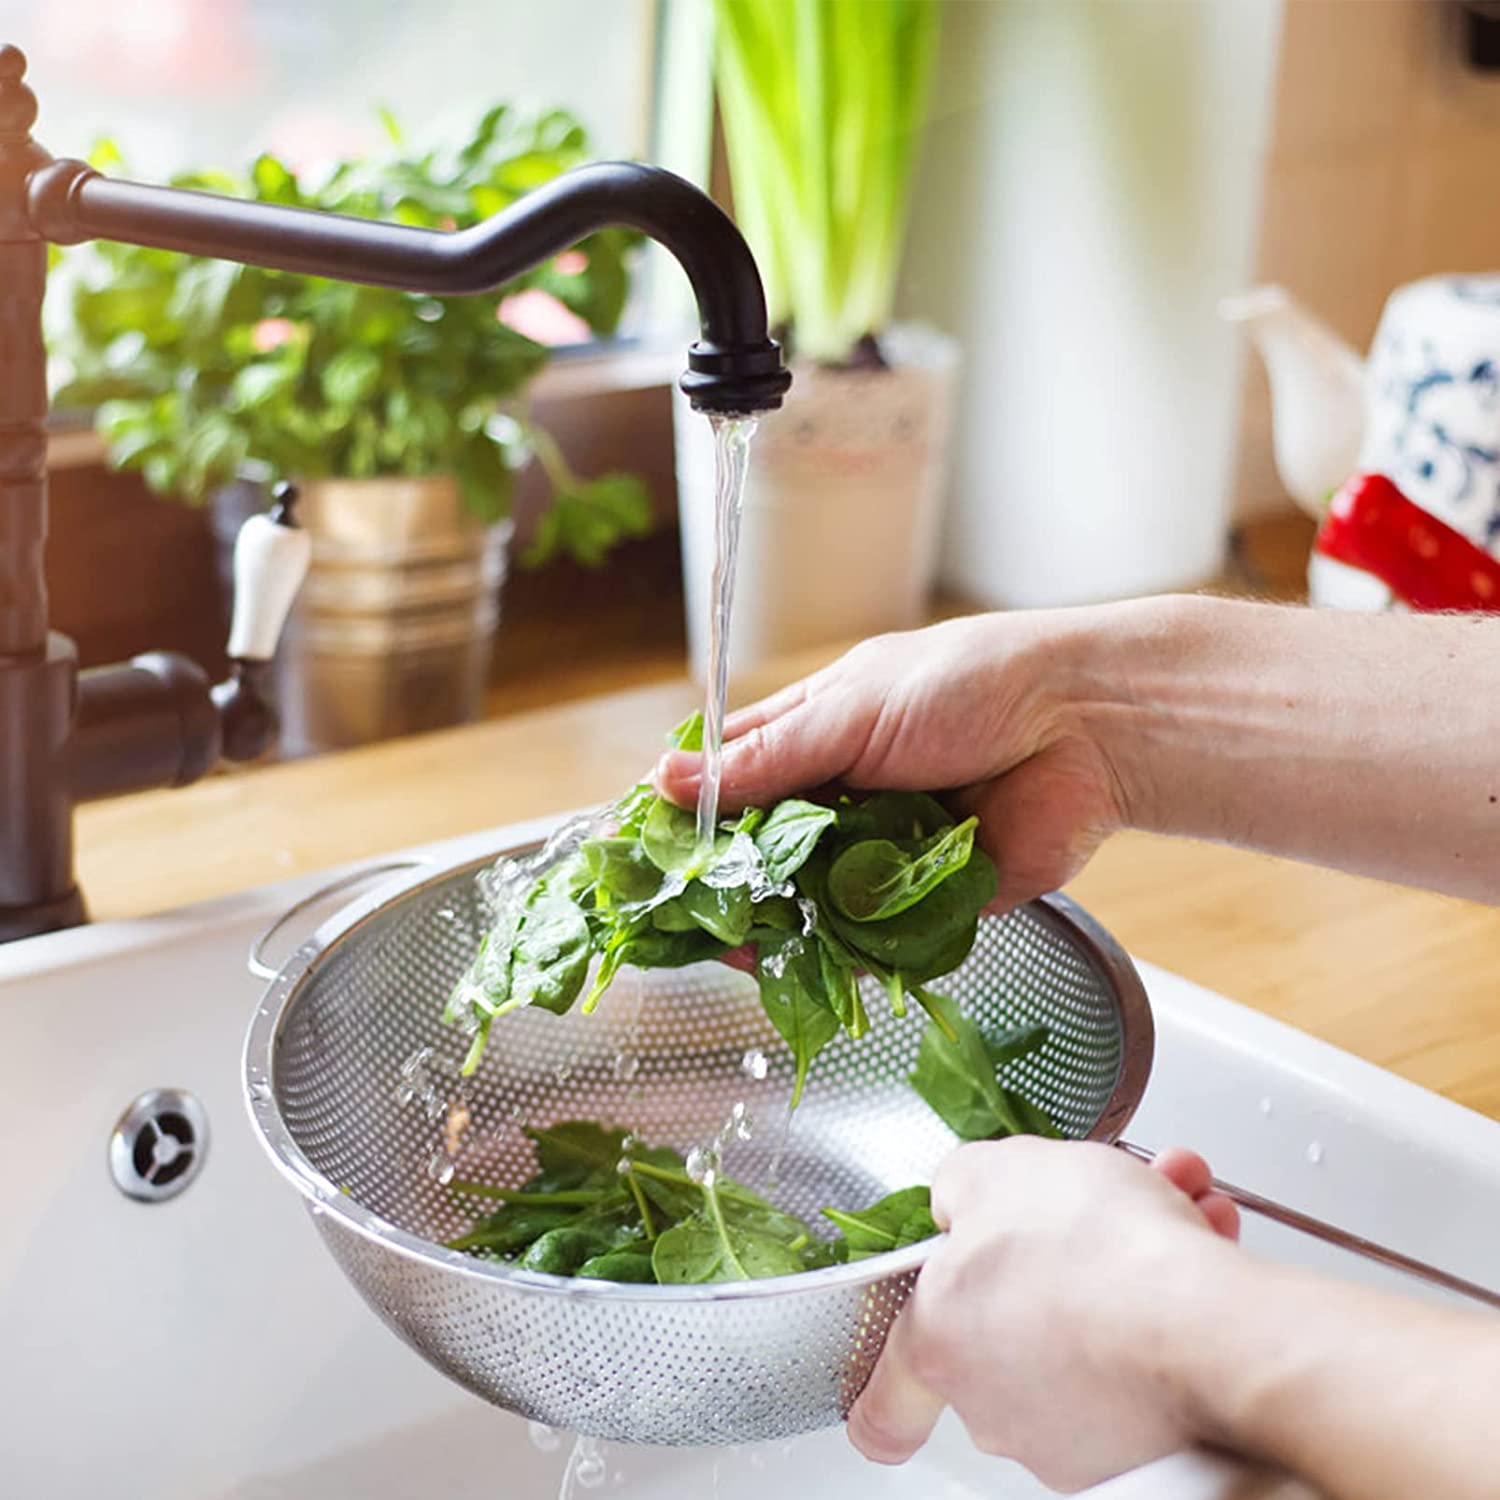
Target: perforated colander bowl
x=361, y=1121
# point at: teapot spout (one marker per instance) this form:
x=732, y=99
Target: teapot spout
x=1317, y=393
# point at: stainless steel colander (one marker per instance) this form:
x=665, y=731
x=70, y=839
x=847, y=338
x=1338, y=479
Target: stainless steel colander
x=361, y=1118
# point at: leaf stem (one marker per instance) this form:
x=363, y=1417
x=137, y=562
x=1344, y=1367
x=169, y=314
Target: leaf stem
x=939, y=1020
x=640, y=1203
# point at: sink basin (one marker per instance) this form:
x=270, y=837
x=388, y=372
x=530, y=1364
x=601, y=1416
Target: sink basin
x=206, y=1347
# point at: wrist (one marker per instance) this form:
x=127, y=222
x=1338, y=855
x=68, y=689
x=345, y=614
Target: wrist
x=1124, y=667
x=1192, y=1353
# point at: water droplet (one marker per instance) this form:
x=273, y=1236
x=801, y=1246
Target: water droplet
x=433, y=1106
x=742, y=1121
x=446, y=914
x=440, y=1167
x=587, y=1464
x=1265, y=1105
x=702, y=1165
x=516, y=1113
x=260, y=1092
x=562, y=1072
x=1315, y=1153
x=542, y=1436
x=405, y=1094
x=627, y=1065
x=754, y=1064
x=416, y=1062
x=316, y=1210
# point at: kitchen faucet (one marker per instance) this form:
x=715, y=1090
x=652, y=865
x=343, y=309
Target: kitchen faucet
x=68, y=736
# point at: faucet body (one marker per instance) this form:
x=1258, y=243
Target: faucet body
x=67, y=736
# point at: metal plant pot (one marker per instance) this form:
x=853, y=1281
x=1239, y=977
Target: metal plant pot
x=394, y=627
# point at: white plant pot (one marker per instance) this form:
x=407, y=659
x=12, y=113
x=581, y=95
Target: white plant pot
x=842, y=505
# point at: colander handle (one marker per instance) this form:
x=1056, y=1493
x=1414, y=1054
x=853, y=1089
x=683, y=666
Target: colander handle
x=1331, y=1234
x=255, y=960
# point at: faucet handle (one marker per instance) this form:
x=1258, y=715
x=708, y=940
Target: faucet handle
x=270, y=561
x=271, y=555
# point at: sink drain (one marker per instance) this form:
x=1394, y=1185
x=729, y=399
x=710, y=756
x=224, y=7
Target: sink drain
x=158, y=1145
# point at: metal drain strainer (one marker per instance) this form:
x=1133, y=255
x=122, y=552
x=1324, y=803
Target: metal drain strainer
x=355, y=1115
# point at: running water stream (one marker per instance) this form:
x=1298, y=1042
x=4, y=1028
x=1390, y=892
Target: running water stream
x=732, y=437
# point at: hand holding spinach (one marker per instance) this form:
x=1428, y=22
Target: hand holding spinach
x=891, y=886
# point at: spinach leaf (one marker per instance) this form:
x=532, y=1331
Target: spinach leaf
x=550, y=958
x=673, y=916
x=651, y=949
x=790, y=975
x=620, y=869
x=563, y=1250
x=875, y=878
x=688, y=735
x=712, y=1247
x=630, y=1262
x=841, y=986
x=670, y=838
x=514, y=1227
x=570, y=1152
x=789, y=835
x=900, y=1218
x=926, y=940
x=957, y=1078
x=721, y=911
x=901, y=815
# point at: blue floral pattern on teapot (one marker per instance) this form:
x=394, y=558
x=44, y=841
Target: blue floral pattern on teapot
x=1433, y=401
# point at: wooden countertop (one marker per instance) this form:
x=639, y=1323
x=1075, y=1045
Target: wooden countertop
x=1407, y=980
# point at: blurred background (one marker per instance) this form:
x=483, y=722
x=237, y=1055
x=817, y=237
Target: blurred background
x=999, y=236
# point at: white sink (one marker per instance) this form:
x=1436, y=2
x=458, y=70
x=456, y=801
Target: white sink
x=207, y=1347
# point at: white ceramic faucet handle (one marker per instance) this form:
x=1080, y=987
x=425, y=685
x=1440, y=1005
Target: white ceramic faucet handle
x=271, y=555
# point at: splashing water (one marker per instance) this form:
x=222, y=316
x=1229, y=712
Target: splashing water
x=586, y=1469
x=731, y=452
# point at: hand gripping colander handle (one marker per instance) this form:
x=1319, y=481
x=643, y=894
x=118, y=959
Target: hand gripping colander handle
x=255, y=960
x=1331, y=1234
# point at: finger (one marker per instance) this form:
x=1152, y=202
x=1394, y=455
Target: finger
x=895, y=1413
x=753, y=715
x=677, y=775
x=1222, y=1215
x=1185, y=1170
x=806, y=746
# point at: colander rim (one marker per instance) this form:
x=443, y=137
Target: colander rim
x=324, y=1197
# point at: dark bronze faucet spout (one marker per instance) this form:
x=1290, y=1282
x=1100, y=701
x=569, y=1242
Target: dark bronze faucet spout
x=735, y=366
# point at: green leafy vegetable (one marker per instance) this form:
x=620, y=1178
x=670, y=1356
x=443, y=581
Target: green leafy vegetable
x=957, y=1076
x=604, y=1207
x=790, y=975
x=670, y=838
x=831, y=897
x=900, y=1218
x=789, y=835
x=877, y=878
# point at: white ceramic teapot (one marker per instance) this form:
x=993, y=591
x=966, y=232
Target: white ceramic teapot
x=1423, y=411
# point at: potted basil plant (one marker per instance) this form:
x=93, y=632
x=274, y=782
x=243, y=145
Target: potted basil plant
x=401, y=417
x=823, y=107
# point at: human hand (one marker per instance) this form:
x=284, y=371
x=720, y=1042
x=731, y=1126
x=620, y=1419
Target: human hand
x=1048, y=1317
x=978, y=706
